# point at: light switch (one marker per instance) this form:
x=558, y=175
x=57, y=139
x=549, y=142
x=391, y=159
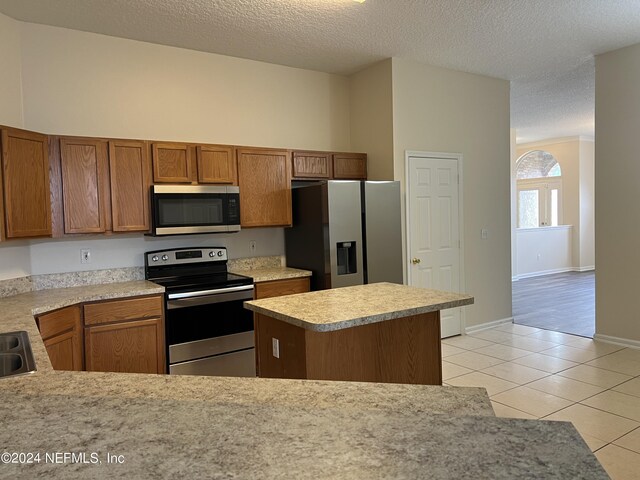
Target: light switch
x=484, y=233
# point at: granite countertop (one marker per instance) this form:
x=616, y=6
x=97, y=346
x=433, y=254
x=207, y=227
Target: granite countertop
x=17, y=311
x=339, y=308
x=164, y=438
x=268, y=274
x=217, y=427
x=265, y=269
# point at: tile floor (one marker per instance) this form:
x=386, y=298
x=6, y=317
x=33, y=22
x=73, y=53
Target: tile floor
x=534, y=373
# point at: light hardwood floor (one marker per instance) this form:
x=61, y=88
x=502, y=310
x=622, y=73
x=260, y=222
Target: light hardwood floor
x=564, y=302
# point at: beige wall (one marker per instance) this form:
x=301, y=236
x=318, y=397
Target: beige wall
x=372, y=118
x=86, y=84
x=80, y=83
x=567, y=152
x=11, y=91
x=440, y=110
x=576, y=159
x=14, y=256
x=587, y=205
x=617, y=170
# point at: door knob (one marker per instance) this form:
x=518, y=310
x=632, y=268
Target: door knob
x=415, y=261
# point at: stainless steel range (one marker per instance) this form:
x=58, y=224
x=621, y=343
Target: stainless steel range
x=207, y=330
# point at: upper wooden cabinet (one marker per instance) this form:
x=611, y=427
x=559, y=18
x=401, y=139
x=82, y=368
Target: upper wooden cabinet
x=216, y=164
x=84, y=168
x=264, y=177
x=311, y=165
x=185, y=163
x=350, y=166
x=129, y=171
x=25, y=184
x=172, y=163
x=326, y=166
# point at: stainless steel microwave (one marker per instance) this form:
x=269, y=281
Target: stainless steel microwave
x=188, y=209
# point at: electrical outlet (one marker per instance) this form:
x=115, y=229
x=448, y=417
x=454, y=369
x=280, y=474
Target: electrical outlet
x=85, y=255
x=484, y=233
x=276, y=347
x=252, y=246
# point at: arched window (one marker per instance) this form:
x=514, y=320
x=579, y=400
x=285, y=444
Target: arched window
x=539, y=182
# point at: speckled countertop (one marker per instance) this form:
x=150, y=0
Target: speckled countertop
x=339, y=308
x=268, y=274
x=163, y=426
x=265, y=269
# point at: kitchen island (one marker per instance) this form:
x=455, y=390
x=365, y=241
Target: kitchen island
x=381, y=332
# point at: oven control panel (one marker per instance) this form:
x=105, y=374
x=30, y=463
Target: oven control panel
x=180, y=256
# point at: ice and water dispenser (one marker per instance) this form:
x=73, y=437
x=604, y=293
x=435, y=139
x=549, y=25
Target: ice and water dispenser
x=347, y=261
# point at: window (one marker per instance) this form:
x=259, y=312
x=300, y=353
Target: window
x=539, y=182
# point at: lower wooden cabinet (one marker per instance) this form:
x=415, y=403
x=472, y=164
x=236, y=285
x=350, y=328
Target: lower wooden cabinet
x=279, y=288
x=124, y=335
x=275, y=288
x=61, y=331
x=134, y=346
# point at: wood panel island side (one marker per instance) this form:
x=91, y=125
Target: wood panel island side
x=381, y=332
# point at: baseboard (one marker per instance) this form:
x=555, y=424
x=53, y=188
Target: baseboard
x=588, y=268
x=542, y=273
x=486, y=326
x=625, y=342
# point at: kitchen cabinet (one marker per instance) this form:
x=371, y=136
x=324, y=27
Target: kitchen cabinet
x=130, y=182
x=216, y=164
x=327, y=166
x=275, y=288
x=278, y=288
x=61, y=332
x=172, y=163
x=350, y=166
x=311, y=165
x=125, y=335
x=264, y=177
x=25, y=184
x=84, y=170
x=184, y=163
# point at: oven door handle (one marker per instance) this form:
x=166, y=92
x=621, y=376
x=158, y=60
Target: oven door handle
x=200, y=293
x=206, y=297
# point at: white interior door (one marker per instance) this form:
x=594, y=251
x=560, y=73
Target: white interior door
x=433, y=223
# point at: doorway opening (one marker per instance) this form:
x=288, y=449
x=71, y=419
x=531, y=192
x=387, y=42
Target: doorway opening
x=551, y=287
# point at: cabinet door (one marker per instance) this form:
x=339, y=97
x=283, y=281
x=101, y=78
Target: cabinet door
x=264, y=177
x=350, y=166
x=216, y=164
x=172, y=163
x=25, y=178
x=278, y=288
x=134, y=347
x=311, y=165
x=85, y=185
x=129, y=171
x=61, y=333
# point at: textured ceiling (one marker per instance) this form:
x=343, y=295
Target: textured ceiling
x=545, y=47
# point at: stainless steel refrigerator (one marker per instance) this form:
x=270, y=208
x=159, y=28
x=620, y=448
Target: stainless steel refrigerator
x=346, y=232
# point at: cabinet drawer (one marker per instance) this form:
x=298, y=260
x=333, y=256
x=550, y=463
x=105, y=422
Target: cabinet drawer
x=59, y=321
x=119, y=310
x=277, y=288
